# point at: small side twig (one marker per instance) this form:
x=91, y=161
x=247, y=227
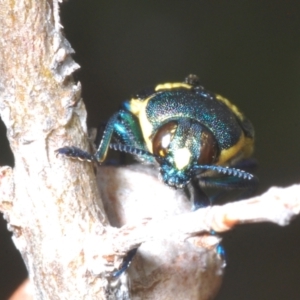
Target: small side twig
x=277, y=205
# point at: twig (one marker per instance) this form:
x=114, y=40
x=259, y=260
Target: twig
x=277, y=205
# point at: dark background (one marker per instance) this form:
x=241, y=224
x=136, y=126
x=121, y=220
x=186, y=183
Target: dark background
x=249, y=51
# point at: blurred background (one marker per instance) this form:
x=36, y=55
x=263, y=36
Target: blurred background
x=248, y=51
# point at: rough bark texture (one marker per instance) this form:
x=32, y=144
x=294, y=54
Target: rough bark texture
x=52, y=204
x=52, y=201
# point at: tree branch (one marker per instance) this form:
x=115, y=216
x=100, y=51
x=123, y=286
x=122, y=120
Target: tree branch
x=60, y=224
x=51, y=205
x=277, y=205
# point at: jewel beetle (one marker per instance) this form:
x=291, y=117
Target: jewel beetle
x=197, y=138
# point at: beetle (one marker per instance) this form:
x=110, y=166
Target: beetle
x=196, y=137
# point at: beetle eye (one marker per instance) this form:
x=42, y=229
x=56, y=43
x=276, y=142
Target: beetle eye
x=209, y=148
x=163, y=138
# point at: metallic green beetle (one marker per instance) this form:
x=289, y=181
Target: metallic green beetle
x=195, y=136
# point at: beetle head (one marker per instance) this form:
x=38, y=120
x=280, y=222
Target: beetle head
x=180, y=144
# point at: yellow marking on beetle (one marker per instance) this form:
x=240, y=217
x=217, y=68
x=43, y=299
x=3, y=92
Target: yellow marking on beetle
x=231, y=106
x=228, y=154
x=138, y=108
x=136, y=105
x=170, y=86
x=248, y=147
x=182, y=158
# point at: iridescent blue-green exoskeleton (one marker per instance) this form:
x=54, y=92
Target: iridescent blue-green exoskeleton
x=196, y=138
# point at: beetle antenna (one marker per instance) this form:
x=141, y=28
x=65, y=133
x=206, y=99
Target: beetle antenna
x=224, y=170
x=131, y=150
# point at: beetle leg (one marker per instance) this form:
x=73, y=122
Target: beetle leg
x=246, y=187
x=74, y=152
x=128, y=130
x=197, y=196
x=100, y=155
x=125, y=127
x=106, y=138
x=126, y=263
